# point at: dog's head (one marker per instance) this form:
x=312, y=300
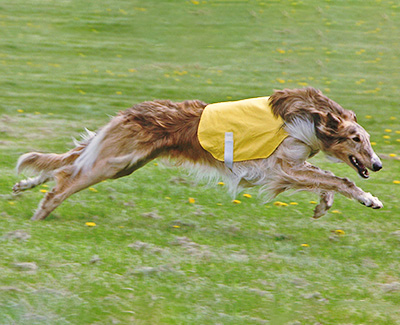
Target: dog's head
x=346, y=140
x=337, y=132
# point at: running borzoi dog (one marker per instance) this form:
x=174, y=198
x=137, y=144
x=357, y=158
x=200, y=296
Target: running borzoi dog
x=134, y=137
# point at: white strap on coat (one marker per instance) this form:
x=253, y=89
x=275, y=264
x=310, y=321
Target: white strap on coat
x=228, y=151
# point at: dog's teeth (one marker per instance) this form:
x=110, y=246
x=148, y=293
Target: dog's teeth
x=354, y=160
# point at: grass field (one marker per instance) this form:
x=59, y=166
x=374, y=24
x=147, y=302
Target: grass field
x=153, y=257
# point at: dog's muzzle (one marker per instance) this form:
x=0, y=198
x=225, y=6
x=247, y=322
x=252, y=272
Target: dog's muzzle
x=377, y=166
x=376, y=163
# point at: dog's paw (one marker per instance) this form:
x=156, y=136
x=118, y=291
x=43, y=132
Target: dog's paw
x=18, y=187
x=371, y=201
x=324, y=205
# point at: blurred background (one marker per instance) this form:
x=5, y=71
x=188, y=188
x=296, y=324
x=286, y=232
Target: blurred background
x=162, y=248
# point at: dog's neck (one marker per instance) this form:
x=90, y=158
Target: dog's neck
x=304, y=131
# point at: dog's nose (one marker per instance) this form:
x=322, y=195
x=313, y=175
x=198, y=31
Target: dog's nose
x=377, y=166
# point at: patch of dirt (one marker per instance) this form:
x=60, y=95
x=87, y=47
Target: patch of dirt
x=17, y=235
x=152, y=215
x=390, y=287
x=191, y=247
x=143, y=246
x=26, y=266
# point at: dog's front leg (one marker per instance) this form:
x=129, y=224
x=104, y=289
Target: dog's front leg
x=311, y=178
x=326, y=197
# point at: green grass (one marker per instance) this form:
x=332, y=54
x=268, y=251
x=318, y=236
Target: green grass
x=66, y=65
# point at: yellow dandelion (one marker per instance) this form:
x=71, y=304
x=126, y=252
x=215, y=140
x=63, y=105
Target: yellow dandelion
x=132, y=70
x=368, y=116
x=392, y=155
x=192, y=200
x=396, y=182
x=386, y=136
x=219, y=204
x=90, y=224
x=313, y=202
x=82, y=92
x=281, y=81
x=339, y=232
x=397, y=132
x=221, y=183
x=336, y=211
x=281, y=51
x=93, y=189
x=43, y=191
x=167, y=198
x=20, y=110
x=155, y=164
x=280, y=204
x=247, y=195
x=293, y=203
x=44, y=185
x=388, y=130
x=302, y=84
x=305, y=245
x=393, y=118
x=121, y=227
x=398, y=140
x=118, y=92
x=236, y=202
x=373, y=143
x=176, y=226
x=11, y=202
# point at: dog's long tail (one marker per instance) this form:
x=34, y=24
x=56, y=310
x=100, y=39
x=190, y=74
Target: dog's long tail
x=37, y=162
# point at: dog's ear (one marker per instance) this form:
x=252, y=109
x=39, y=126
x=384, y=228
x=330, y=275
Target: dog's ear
x=332, y=122
x=326, y=126
x=353, y=116
x=316, y=118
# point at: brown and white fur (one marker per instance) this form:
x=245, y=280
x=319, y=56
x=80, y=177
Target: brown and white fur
x=167, y=129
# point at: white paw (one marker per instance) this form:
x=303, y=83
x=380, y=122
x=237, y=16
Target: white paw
x=20, y=186
x=371, y=201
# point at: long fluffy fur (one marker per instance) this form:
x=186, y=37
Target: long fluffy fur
x=168, y=129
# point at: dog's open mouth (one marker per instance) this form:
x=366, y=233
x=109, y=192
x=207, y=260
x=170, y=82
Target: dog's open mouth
x=362, y=171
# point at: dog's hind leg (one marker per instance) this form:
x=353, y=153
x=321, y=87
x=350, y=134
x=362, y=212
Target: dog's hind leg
x=66, y=185
x=68, y=182
x=29, y=183
x=325, y=203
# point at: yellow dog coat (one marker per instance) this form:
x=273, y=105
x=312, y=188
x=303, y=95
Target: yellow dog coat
x=240, y=130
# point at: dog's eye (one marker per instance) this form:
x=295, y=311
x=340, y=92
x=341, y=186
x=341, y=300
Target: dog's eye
x=356, y=139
